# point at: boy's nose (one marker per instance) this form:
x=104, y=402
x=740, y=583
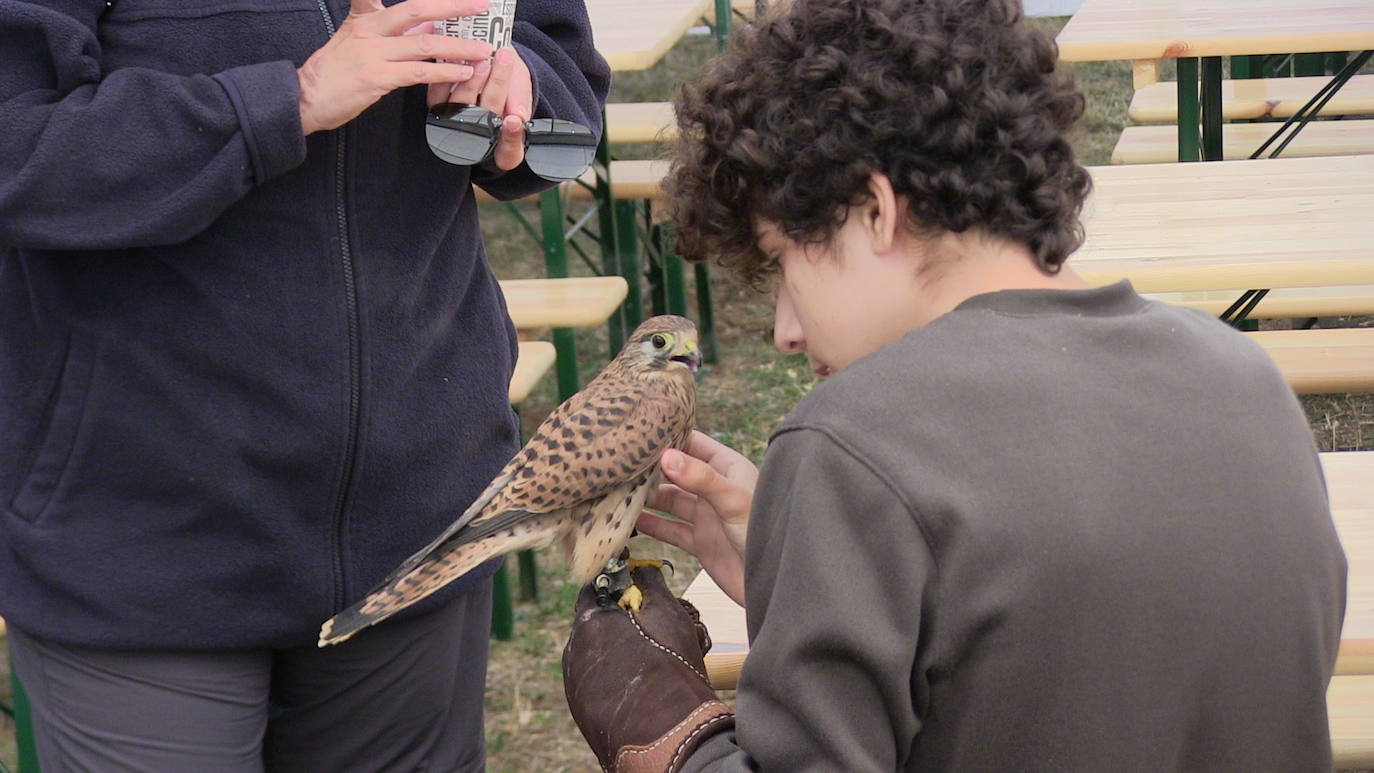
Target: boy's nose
x=787, y=332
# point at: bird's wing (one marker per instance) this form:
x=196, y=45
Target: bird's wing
x=575, y=455
x=604, y=436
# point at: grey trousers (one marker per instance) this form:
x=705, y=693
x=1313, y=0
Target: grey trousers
x=403, y=696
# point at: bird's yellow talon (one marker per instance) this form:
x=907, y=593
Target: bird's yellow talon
x=632, y=599
x=636, y=563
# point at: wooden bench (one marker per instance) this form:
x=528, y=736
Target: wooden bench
x=640, y=122
x=1350, y=699
x=535, y=304
x=1322, y=361
x=1257, y=98
x=534, y=360
x=1282, y=303
x=629, y=180
x=1350, y=710
x=1159, y=144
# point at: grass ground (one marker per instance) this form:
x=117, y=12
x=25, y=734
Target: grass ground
x=741, y=398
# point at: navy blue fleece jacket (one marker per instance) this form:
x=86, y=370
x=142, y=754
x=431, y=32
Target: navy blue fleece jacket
x=243, y=373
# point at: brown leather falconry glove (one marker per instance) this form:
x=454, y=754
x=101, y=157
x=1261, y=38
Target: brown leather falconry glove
x=636, y=681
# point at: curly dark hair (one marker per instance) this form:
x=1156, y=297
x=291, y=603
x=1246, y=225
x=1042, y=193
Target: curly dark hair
x=958, y=102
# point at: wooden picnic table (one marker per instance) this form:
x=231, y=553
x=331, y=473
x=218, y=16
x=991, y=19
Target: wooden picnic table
x=1198, y=33
x=635, y=34
x=1299, y=222
x=1107, y=30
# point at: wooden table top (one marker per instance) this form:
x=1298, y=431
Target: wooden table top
x=1352, y=507
x=1104, y=30
x=572, y=302
x=635, y=34
x=1297, y=222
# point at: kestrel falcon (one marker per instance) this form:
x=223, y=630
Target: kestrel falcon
x=582, y=478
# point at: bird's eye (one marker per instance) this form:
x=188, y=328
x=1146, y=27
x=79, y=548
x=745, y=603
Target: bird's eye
x=659, y=341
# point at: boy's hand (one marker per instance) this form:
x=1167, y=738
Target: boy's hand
x=636, y=681
x=711, y=490
x=379, y=49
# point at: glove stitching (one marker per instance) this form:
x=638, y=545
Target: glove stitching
x=625, y=752
x=672, y=765
x=666, y=649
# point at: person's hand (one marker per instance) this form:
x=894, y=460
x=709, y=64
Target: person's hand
x=710, y=492
x=379, y=49
x=636, y=681
x=504, y=86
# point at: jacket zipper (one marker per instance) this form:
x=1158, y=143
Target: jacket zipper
x=341, y=498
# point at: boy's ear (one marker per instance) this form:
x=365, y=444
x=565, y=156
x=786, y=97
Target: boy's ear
x=882, y=215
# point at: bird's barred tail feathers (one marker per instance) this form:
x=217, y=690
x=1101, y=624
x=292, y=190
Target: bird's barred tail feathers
x=483, y=540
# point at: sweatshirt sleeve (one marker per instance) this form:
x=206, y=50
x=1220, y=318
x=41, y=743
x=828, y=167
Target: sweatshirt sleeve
x=132, y=157
x=836, y=570
x=571, y=80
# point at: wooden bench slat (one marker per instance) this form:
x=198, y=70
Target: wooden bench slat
x=1159, y=144
x=572, y=302
x=1350, y=710
x=629, y=180
x=640, y=122
x=1350, y=481
x=1283, y=302
x=1322, y=361
x=534, y=360
x=1256, y=98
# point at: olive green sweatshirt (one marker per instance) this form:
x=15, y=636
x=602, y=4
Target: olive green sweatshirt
x=1050, y=531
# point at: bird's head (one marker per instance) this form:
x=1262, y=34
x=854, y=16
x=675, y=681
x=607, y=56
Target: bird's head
x=663, y=343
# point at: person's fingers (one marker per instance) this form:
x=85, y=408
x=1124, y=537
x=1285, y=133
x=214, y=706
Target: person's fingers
x=465, y=93
x=437, y=93
x=675, y=533
x=703, y=446
x=520, y=94
x=671, y=499
x=405, y=48
x=498, y=82
x=510, y=149
x=728, y=498
x=366, y=6
x=403, y=16
x=397, y=75
x=507, y=94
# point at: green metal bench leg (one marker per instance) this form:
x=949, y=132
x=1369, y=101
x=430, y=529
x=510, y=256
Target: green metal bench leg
x=502, y=610
x=23, y=725
x=706, y=312
x=619, y=325
x=1309, y=64
x=627, y=243
x=529, y=576
x=1244, y=67
x=722, y=26
x=1210, y=98
x=1189, y=114
x=556, y=267
x=675, y=285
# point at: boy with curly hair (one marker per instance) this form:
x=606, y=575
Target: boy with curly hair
x=1025, y=523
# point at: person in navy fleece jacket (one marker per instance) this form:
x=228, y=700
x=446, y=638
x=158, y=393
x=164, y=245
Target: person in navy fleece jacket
x=251, y=357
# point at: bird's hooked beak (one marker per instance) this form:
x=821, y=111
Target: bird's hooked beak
x=691, y=357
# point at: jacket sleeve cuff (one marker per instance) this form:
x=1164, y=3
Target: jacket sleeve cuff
x=266, y=97
x=671, y=750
